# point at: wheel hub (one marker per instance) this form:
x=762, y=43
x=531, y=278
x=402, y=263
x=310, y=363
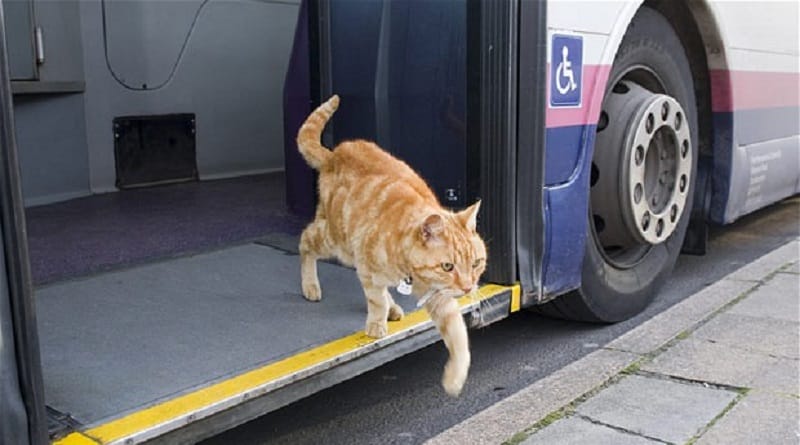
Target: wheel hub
x=641, y=167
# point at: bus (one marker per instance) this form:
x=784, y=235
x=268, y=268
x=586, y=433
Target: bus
x=152, y=193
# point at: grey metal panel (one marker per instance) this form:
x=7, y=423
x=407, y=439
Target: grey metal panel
x=19, y=32
x=766, y=172
x=63, y=54
x=230, y=75
x=123, y=340
x=51, y=129
x=51, y=136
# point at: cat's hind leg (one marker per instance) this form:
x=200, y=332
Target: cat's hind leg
x=312, y=247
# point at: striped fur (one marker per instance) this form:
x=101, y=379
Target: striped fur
x=376, y=214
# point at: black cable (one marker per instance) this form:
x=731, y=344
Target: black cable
x=174, y=66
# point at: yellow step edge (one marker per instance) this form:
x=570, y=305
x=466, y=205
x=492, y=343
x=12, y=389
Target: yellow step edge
x=516, y=301
x=76, y=439
x=185, y=404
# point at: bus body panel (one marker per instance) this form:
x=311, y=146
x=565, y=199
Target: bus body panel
x=756, y=107
x=754, y=92
x=570, y=135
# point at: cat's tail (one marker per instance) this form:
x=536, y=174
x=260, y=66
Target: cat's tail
x=308, y=138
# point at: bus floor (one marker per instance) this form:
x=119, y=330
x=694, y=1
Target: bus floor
x=148, y=294
x=124, y=340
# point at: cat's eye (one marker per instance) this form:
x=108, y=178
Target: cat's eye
x=477, y=263
x=448, y=267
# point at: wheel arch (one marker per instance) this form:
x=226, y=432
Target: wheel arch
x=703, y=41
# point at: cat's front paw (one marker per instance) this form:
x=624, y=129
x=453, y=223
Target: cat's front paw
x=396, y=312
x=312, y=291
x=454, y=377
x=377, y=329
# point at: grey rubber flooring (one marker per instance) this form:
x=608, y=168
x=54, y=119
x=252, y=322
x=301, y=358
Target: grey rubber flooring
x=123, y=340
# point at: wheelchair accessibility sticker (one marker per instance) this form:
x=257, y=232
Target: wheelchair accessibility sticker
x=566, y=70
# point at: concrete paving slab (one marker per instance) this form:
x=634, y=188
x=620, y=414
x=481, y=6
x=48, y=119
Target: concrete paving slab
x=783, y=376
x=706, y=361
x=757, y=418
x=766, y=335
x=576, y=431
x=768, y=263
x=497, y=423
x=655, y=332
x=794, y=268
x=777, y=298
x=661, y=409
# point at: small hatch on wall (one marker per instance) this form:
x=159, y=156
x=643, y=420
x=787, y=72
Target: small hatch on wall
x=151, y=150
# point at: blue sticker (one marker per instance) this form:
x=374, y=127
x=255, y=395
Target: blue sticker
x=566, y=71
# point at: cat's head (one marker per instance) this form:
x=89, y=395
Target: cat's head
x=448, y=254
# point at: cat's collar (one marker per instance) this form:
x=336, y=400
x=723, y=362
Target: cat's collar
x=405, y=287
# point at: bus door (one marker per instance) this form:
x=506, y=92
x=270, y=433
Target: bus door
x=22, y=415
x=455, y=89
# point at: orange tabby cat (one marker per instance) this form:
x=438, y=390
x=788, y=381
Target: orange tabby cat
x=377, y=214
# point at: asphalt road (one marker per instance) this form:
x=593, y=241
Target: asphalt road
x=403, y=403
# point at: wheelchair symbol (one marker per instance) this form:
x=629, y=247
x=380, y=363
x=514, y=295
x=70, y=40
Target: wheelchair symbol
x=564, y=72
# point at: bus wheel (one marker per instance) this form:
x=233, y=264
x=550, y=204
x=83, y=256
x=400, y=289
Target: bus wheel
x=642, y=176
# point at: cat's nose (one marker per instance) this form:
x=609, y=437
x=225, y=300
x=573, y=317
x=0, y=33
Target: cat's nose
x=466, y=289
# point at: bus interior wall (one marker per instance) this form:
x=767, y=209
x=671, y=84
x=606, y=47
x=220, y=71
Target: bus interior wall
x=137, y=113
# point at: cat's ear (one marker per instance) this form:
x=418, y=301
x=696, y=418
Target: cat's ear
x=469, y=216
x=432, y=227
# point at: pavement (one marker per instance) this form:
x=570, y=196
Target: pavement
x=721, y=367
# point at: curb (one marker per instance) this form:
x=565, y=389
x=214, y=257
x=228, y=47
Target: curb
x=533, y=404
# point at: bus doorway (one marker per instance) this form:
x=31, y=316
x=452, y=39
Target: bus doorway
x=160, y=211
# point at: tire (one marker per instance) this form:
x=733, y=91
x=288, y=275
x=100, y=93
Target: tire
x=618, y=282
